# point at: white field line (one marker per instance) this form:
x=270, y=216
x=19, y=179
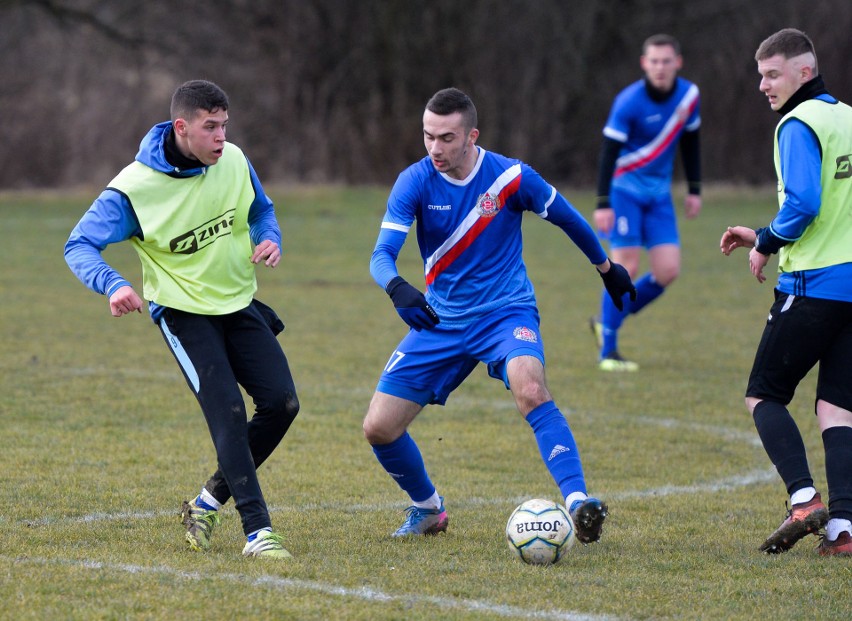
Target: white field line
x=277, y=583
x=763, y=475
x=730, y=483
x=374, y=595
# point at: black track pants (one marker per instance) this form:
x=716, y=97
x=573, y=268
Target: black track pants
x=217, y=354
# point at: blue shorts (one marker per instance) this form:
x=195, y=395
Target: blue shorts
x=428, y=365
x=642, y=221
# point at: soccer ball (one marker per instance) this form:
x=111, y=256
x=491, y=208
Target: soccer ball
x=540, y=532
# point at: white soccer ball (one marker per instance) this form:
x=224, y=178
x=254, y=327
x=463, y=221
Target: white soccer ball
x=540, y=532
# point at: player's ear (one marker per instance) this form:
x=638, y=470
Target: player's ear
x=473, y=135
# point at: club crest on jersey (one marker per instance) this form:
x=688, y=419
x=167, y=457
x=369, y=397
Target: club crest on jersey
x=488, y=205
x=525, y=334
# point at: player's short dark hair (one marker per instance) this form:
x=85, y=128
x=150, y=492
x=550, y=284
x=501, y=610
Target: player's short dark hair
x=450, y=100
x=195, y=95
x=661, y=39
x=789, y=43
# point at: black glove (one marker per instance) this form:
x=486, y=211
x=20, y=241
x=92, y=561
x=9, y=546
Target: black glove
x=617, y=282
x=411, y=305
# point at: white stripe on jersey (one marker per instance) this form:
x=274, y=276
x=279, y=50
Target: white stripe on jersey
x=543, y=214
x=680, y=115
x=501, y=182
x=395, y=227
x=616, y=135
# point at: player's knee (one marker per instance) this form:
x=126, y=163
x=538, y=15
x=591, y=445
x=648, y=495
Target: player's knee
x=751, y=403
x=667, y=275
x=373, y=432
x=290, y=407
x=284, y=404
x=531, y=395
x=830, y=415
x=380, y=430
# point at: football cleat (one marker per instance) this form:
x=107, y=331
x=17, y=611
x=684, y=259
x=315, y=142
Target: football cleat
x=423, y=521
x=802, y=519
x=842, y=546
x=614, y=362
x=199, y=523
x=266, y=545
x=588, y=516
x=597, y=330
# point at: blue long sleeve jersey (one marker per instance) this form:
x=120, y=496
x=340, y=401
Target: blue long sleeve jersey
x=647, y=130
x=801, y=165
x=111, y=219
x=469, y=233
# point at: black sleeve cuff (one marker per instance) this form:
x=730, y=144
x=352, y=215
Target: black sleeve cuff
x=768, y=243
x=606, y=166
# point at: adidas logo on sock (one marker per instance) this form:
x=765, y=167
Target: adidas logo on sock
x=557, y=450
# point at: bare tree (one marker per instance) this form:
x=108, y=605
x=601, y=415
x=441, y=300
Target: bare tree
x=333, y=90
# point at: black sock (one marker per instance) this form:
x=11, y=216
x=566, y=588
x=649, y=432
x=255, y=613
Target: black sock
x=783, y=444
x=838, y=470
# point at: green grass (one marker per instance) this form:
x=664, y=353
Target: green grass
x=101, y=440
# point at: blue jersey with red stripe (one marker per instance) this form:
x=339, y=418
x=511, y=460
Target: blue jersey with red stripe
x=469, y=233
x=649, y=130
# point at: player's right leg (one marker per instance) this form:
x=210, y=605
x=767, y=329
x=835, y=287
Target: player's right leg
x=425, y=368
x=834, y=413
x=794, y=338
x=385, y=428
x=197, y=342
x=607, y=326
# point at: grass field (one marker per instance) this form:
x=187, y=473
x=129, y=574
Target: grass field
x=101, y=440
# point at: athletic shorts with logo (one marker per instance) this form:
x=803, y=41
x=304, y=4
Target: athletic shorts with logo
x=428, y=365
x=642, y=221
x=800, y=332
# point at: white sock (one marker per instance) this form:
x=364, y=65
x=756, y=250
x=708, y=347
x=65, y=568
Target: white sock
x=836, y=526
x=433, y=502
x=208, y=498
x=573, y=497
x=803, y=495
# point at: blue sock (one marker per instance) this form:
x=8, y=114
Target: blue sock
x=611, y=320
x=647, y=290
x=557, y=447
x=403, y=461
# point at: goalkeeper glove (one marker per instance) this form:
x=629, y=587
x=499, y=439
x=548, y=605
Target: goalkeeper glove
x=411, y=305
x=617, y=282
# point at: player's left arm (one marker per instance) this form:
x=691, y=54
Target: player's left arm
x=263, y=225
x=801, y=171
x=410, y=303
x=538, y=196
x=690, y=148
x=557, y=210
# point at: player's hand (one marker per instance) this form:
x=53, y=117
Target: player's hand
x=411, y=305
x=617, y=282
x=125, y=300
x=268, y=252
x=756, y=262
x=604, y=219
x=693, y=206
x=737, y=237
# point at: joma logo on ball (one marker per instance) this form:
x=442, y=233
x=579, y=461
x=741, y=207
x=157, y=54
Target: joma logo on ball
x=538, y=527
